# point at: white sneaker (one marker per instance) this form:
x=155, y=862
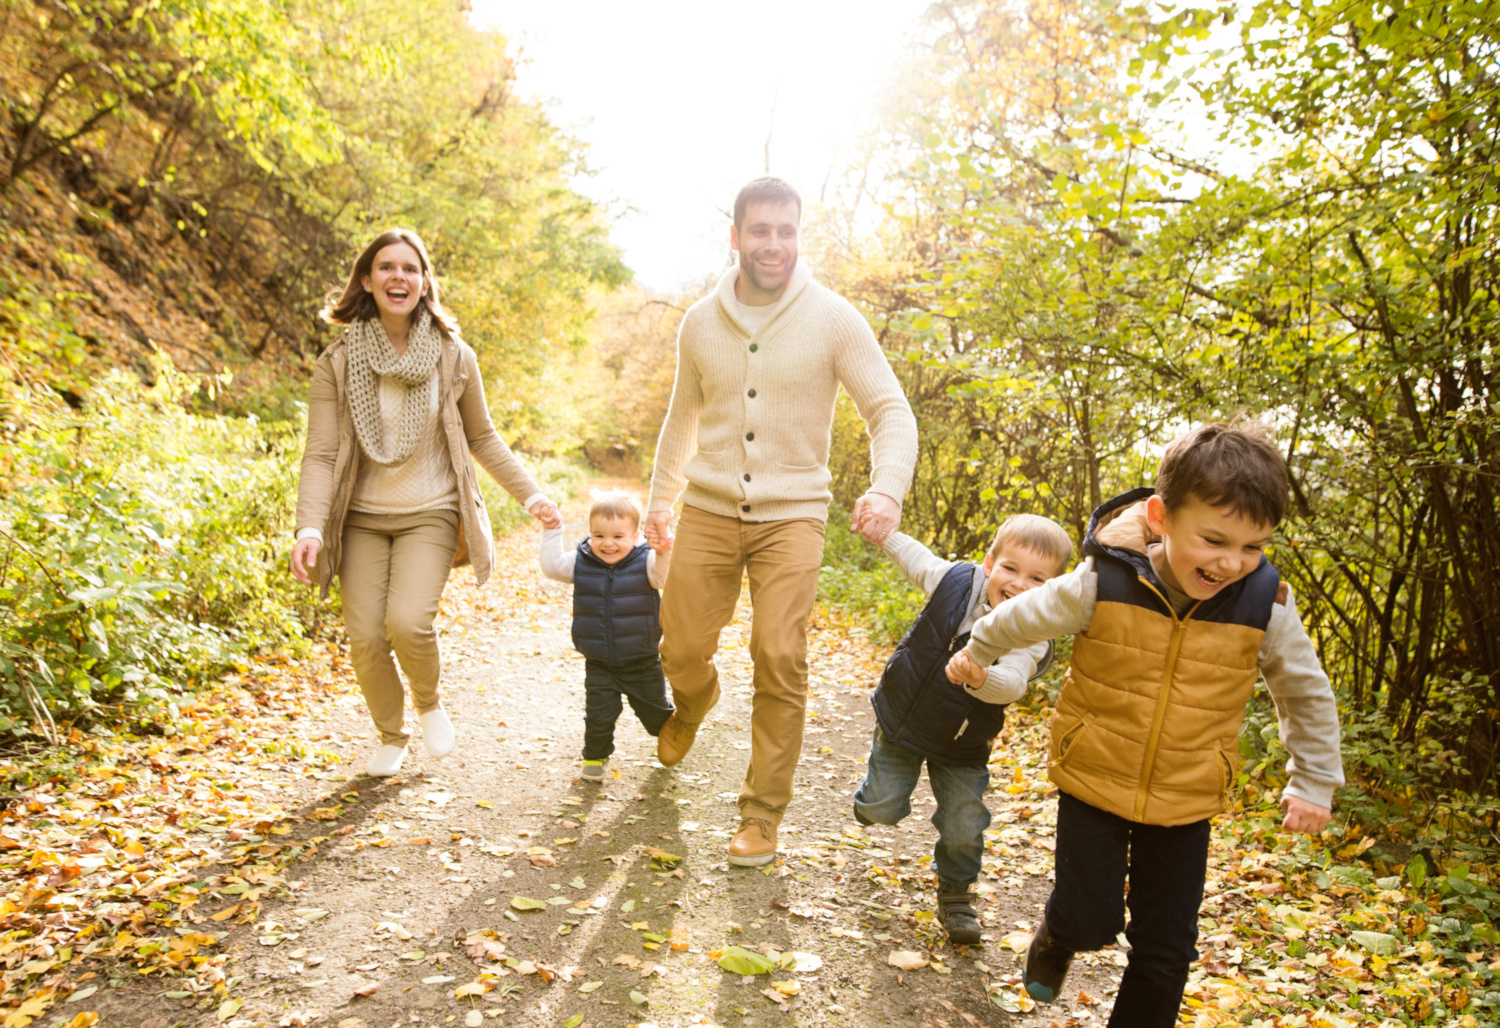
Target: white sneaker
x=437, y=733
x=386, y=761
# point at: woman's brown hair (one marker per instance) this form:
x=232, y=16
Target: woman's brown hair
x=354, y=302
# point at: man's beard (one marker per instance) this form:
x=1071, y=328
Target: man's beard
x=764, y=280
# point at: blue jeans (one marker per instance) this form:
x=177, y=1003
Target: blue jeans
x=884, y=798
x=1097, y=853
x=604, y=685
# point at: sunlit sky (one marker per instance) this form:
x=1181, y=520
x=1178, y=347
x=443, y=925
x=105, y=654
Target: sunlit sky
x=675, y=101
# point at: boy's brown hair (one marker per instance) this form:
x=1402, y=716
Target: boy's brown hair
x=1035, y=533
x=1234, y=465
x=614, y=505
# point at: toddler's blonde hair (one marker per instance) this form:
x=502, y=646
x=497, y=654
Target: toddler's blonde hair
x=615, y=504
x=1036, y=533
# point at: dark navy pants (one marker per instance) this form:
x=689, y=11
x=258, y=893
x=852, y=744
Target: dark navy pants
x=1097, y=853
x=604, y=685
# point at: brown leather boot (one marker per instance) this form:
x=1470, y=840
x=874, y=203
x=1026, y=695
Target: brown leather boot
x=674, y=740
x=755, y=843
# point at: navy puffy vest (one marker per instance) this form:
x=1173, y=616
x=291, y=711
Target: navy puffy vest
x=616, y=612
x=916, y=705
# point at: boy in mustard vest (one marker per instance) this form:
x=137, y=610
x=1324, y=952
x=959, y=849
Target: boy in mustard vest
x=1175, y=613
x=617, y=582
x=922, y=717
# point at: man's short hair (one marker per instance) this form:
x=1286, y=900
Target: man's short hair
x=1037, y=534
x=615, y=504
x=1234, y=465
x=760, y=190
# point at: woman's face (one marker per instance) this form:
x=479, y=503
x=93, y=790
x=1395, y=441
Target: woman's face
x=395, y=280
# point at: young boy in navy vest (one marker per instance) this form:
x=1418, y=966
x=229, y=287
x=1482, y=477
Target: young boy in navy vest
x=1175, y=613
x=617, y=582
x=921, y=716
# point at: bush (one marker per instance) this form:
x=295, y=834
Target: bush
x=860, y=581
x=141, y=548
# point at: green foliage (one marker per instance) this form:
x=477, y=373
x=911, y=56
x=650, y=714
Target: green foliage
x=860, y=581
x=141, y=548
x=558, y=477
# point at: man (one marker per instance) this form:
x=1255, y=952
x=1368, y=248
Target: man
x=759, y=365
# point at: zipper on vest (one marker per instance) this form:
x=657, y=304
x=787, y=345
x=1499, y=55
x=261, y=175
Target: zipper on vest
x=1174, y=650
x=963, y=728
x=609, y=611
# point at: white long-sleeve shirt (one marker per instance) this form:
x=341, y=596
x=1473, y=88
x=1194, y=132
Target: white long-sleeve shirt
x=558, y=565
x=1305, y=706
x=1005, y=681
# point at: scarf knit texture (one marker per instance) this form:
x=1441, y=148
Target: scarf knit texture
x=372, y=358
x=748, y=431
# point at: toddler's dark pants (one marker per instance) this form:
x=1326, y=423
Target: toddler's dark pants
x=1097, y=852
x=639, y=681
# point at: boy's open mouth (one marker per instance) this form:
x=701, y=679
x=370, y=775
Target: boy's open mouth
x=1210, y=581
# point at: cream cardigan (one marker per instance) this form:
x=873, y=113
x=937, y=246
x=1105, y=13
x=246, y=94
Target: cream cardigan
x=749, y=426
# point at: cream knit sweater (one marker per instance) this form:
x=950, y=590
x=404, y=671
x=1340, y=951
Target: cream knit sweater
x=749, y=426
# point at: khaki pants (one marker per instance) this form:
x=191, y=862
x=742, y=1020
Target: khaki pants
x=391, y=579
x=708, y=559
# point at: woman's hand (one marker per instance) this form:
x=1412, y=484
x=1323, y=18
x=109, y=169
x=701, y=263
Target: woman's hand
x=546, y=512
x=304, y=556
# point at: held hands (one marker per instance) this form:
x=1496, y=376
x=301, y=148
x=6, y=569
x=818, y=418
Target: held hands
x=546, y=512
x=876, y=517
x=1302, y=816
x=304, y=556
x=962, y=670
x=659, y=531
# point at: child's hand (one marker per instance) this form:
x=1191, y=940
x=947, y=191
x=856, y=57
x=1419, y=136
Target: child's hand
x=1302, y=816
x=662, y=544
x=546, y=512
x=962, y=670
x=659, y=530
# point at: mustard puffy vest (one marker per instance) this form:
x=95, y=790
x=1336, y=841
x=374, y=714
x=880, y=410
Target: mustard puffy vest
x=1148, y=721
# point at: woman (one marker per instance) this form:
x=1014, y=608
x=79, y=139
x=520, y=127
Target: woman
x=388, y=487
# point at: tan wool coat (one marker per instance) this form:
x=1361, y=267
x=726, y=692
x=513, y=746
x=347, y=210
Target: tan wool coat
x=330, y=462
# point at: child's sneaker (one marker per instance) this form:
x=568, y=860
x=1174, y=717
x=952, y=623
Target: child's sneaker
x=592, y=770
x=1046, y=965
x=959, y=920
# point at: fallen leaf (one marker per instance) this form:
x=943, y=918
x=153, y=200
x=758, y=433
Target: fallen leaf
x=906, y=960
x=525, y=903
x=367, y=990
x=229, y=1008
x=741, y=961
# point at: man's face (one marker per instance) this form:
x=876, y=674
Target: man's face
x=766, y=239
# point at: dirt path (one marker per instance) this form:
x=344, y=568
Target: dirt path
x=414, y=894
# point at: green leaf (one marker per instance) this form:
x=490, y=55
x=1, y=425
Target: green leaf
x=739, y=960
x=1416, y=870
x=525, y=903
x=574, y=1021
x=637, y=998
x=1378, y=943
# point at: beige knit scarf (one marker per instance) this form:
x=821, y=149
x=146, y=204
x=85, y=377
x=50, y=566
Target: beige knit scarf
x=371, y=357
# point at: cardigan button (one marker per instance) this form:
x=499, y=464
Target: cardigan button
x=752, y=394
x=754, y=347
x=745, y=507
x=747, y=476
x=749, y=437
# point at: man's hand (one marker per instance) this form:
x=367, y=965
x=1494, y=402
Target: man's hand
x=876, y=517
x=546, y=512
x=962, y=670
x=662, y=546
x=304, y=556
x=1302, y=816
x=659, y=530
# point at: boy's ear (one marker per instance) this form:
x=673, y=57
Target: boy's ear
x=1156, y=515
x=989, y=562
